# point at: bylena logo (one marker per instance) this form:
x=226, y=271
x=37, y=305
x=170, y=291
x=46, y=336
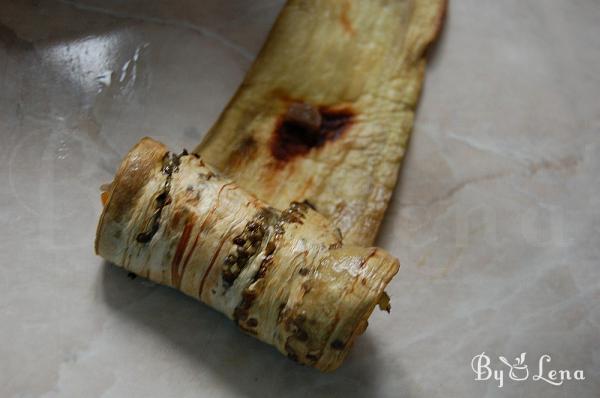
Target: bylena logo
x=519, y=370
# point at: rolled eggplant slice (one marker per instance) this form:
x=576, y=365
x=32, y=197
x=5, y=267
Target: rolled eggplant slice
x=284, y=277
x=326, y=111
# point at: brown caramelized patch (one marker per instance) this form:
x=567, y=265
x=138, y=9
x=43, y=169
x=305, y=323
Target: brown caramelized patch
x=246, y=150
x=294, y=137
x=345, y=19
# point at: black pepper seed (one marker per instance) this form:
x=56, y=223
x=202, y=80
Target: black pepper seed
x=270, y=248
x=170, y=166
x=242, y=257
x=301, y=335
x=312, y=357
x=240, y=314
x=239, y=241
x=338, y=344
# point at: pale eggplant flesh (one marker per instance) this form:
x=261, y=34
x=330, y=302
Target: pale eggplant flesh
x=326, y=111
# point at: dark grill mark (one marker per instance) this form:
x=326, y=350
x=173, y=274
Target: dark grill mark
x=299, y=131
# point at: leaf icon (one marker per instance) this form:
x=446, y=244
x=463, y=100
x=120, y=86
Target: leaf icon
x=503, y=359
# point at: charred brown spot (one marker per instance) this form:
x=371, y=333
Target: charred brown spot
x=303, y=271
x=304, y=127
x=252, y=322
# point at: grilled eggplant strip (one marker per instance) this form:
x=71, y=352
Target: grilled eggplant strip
x=326, y=110
x=284, y=277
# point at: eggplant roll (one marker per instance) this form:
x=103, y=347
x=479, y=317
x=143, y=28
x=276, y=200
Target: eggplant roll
x=284, y=277
x=326, y=111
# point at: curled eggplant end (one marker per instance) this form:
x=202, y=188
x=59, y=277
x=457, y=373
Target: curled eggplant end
x=384, y=302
